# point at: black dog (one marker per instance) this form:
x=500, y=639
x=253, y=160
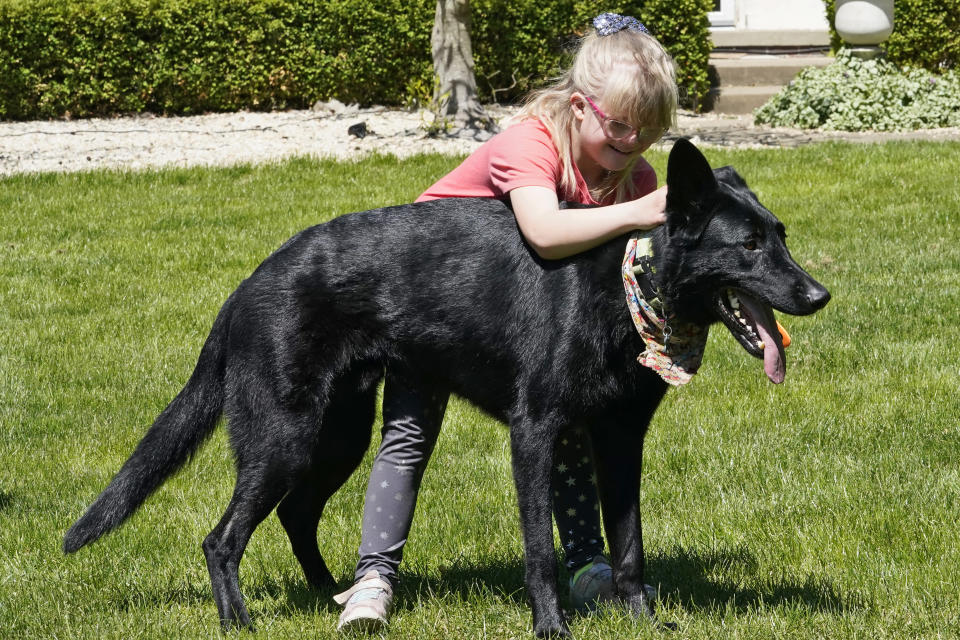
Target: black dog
x=449, y=291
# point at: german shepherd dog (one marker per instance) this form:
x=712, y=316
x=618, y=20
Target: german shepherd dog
x=449, y=289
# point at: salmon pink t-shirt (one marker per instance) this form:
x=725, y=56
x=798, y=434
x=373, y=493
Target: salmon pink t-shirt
x=522, y=155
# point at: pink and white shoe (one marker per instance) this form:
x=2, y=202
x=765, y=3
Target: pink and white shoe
x=366, y=605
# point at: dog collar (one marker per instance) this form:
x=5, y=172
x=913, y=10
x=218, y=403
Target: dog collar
x=674, y=349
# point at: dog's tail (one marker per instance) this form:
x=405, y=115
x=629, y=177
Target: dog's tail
x=174, y=436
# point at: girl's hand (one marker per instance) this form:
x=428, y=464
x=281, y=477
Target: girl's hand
x=651, y=209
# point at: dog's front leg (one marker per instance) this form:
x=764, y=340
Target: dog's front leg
x=532, y=450
x=618, y=453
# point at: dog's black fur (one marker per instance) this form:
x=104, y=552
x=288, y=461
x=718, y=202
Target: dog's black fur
x=448, y=290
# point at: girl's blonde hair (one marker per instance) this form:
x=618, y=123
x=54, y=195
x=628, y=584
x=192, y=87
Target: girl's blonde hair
x=635, y=78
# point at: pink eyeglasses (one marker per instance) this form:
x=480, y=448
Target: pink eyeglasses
x=617, y=130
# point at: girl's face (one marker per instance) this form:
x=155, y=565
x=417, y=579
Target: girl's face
x=593, y=150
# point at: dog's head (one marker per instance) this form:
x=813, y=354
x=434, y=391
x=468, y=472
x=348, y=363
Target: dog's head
x=726, y=259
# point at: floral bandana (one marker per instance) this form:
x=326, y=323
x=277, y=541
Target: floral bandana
x=674, y=349
x=609, y=23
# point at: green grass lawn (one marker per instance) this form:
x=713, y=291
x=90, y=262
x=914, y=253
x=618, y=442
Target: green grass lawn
x=823, y=508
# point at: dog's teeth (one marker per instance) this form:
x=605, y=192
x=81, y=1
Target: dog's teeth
x=760, y=344
x=734, y=301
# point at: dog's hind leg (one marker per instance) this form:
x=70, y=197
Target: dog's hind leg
x=343, y=439
x=272, y=455
x=254, y=498
x=532, y=445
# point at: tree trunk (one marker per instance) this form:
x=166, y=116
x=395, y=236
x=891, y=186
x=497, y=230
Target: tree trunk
x=456, y=88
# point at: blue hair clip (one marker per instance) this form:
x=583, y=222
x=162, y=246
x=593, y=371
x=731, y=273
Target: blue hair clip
x=608, y=23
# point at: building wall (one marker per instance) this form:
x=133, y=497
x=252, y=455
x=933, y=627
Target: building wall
x=770, y=23
x=771, y=15
x=781, y=15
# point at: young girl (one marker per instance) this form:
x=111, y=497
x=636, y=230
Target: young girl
x=579, y=140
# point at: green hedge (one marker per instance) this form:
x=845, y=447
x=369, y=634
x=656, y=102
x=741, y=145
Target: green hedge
x=520, y=43
x=84, y=58
x=682, y=26
x=926, y=33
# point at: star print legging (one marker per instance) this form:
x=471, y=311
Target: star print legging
x=412, y=415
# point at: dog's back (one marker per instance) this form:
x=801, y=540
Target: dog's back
x=448, y=287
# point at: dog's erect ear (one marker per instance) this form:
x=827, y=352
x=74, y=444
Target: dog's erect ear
x=690, y=183
x=688, y=173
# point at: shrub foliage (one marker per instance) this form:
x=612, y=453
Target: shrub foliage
x=84, y=58
x=858, y=95
x=519, y=43
x=100, y=57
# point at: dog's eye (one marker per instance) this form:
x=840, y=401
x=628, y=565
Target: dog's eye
x=750, y=245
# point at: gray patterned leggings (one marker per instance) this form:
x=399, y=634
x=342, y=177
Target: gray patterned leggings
x=412, y=416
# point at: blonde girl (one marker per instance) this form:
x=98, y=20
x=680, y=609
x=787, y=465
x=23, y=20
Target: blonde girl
x=580, y=139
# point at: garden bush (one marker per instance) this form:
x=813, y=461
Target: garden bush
x=519, y=43
x=84, y=58
x=80, y=58
x=859, y=95
x=683, y=28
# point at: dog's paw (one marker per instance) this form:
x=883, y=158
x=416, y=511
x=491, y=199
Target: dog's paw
x=641, y=606
x=555, y=627
x=233, y=626
x=319, y=578
x=561, y=631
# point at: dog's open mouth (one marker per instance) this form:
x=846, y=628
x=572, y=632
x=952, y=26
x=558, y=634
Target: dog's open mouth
x=752, y=323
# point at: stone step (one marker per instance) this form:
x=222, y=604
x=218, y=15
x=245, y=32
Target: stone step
x=746, y=70
x=742, y=82
x=757, y=39
x=740, y=100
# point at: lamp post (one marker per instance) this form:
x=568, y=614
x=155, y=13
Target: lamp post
x=864, y=24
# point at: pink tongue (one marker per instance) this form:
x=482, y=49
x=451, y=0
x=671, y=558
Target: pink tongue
x=774, y=362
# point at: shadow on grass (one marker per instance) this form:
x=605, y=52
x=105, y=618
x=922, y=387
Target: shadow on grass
x=6, y=499
x=501, y=580
x=683, y=576
x=687, y=576
x=697, y=580
x=290, y=589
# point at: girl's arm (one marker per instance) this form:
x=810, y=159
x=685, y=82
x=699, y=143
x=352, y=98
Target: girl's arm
x=557, y=233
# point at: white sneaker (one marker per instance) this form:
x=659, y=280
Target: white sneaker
x=366, y=605
x=592, y=584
